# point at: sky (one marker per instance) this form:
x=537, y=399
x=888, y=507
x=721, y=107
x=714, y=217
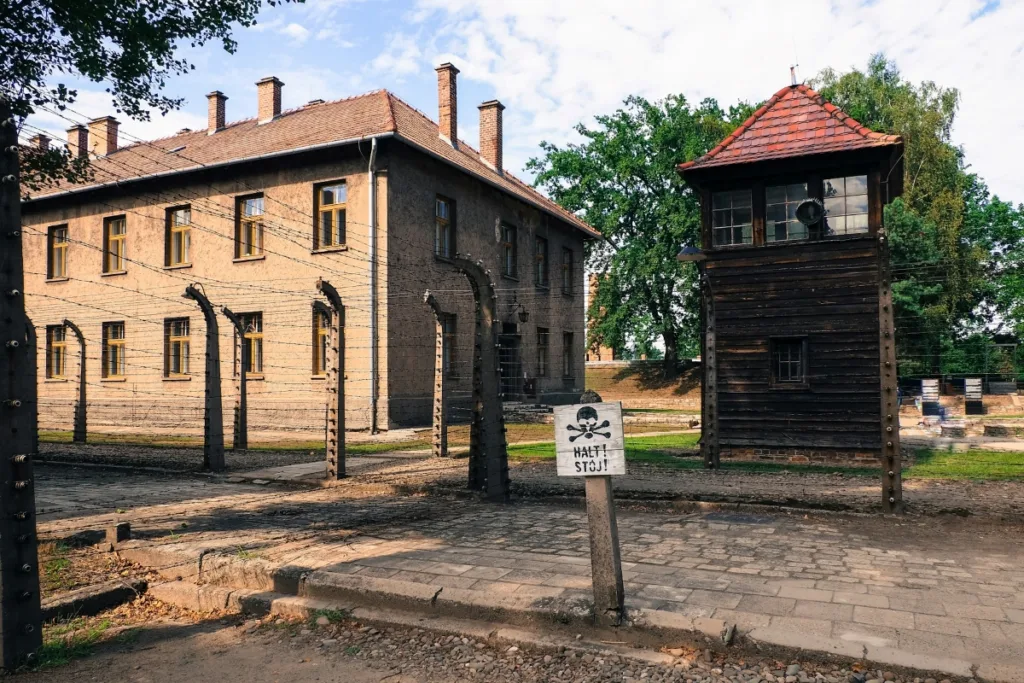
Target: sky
x=556, y=63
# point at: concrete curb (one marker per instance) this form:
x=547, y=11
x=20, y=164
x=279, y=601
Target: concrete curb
x=258, y=587
x=91, y=600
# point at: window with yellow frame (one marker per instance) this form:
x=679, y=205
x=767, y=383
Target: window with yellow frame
x=57, y=263
x=56, y=351
x=252, y=323
x=115, y=230
x=177, y=347
x=321, y=341
x=330, y=211
x=179, y=236
x=249, y=235
x=113, y=350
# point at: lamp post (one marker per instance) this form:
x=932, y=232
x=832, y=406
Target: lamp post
x=708, y=385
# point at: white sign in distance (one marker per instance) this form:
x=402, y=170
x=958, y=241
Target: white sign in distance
x=589, y=440
x=972, y=388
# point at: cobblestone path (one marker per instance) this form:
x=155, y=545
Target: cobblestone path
x=945, y=586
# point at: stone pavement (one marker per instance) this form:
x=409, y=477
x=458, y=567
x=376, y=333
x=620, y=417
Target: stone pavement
x=942, y=590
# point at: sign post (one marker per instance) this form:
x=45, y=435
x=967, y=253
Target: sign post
x=589, y=443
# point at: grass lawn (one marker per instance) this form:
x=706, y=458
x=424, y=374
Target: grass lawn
x=973, y=464
x=675, y=451
x=69, y=640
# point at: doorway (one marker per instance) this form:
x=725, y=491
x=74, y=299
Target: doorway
x=509, y=364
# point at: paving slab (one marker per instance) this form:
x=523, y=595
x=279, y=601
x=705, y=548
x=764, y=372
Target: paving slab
x=530, y=557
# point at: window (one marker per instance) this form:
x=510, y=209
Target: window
x=249, y=238
x=444, y=228
x=252, y=323
x=540, y=274
x=567, y=364
x=567, y=270
x=56, y=351
x=176, y=347
x=113, y=350
x=780, y=208
x=114, y=230
x=448, y=328
x=542, y=351
x=321, y=341
x=846, y=205
x=731, y=214
x=57, y=252
x=330, y=211
x=789, y=362
x=179, y=236
x=509, y=254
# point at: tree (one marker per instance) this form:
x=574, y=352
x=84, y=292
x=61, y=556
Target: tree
x=130, y=45
x=957, y=251
x=622, y=180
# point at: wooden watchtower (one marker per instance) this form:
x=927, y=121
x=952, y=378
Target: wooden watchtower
x=799, y=348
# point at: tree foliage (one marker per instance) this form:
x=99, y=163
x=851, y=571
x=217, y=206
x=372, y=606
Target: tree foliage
x=128, y=45
x=956, y=249
x=622, y=180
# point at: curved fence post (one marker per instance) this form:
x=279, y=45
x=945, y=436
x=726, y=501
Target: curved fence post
x=241, y=439
x=488, y=456
x=213, y=409
x=439, y=442
x=80, y=433
x=335, y=445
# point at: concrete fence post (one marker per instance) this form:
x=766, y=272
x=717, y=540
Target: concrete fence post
x=213, y=408
x=21, y=628
x=241, y=439
x=439, y=441
x=335, y=445
x=488, y=451
x=889, y=417
x=80, y=433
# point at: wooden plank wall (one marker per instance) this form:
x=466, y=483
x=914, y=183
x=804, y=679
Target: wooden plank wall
x=826, y=291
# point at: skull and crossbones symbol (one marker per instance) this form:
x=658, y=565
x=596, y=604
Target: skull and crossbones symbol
x=586, y=418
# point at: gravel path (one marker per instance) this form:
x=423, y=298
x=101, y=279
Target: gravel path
x=189, y=647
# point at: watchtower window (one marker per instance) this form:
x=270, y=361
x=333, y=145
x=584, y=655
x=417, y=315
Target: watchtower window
x=731, y=214
x=780, y=208
x=789, y=361
x=846, y=205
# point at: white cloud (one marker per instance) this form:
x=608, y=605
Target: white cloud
x=334, y=35
x=296, y=32
x=400, y=58
x=94, y=103
x=557, y=63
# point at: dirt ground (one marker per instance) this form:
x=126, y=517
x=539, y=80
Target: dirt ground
x=149, y=642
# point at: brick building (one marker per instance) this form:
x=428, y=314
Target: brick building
x=367, y=193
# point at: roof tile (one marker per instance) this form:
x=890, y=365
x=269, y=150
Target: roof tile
x=349, y=119
x=795, y=121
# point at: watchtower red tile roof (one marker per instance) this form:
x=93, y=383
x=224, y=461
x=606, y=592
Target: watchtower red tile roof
x=796, y=121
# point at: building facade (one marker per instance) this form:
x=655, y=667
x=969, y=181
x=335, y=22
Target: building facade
x=799, y=354
x=366, y=193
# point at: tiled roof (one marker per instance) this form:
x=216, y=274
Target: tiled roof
x=375, y=113
x=796, y=121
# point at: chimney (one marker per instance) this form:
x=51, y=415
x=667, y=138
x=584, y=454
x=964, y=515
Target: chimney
x=268, y=92
x=447, y=103
x=40, y=142
x=103, y=135
x=215, y=111
x=78, y=141
x=490, y=134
